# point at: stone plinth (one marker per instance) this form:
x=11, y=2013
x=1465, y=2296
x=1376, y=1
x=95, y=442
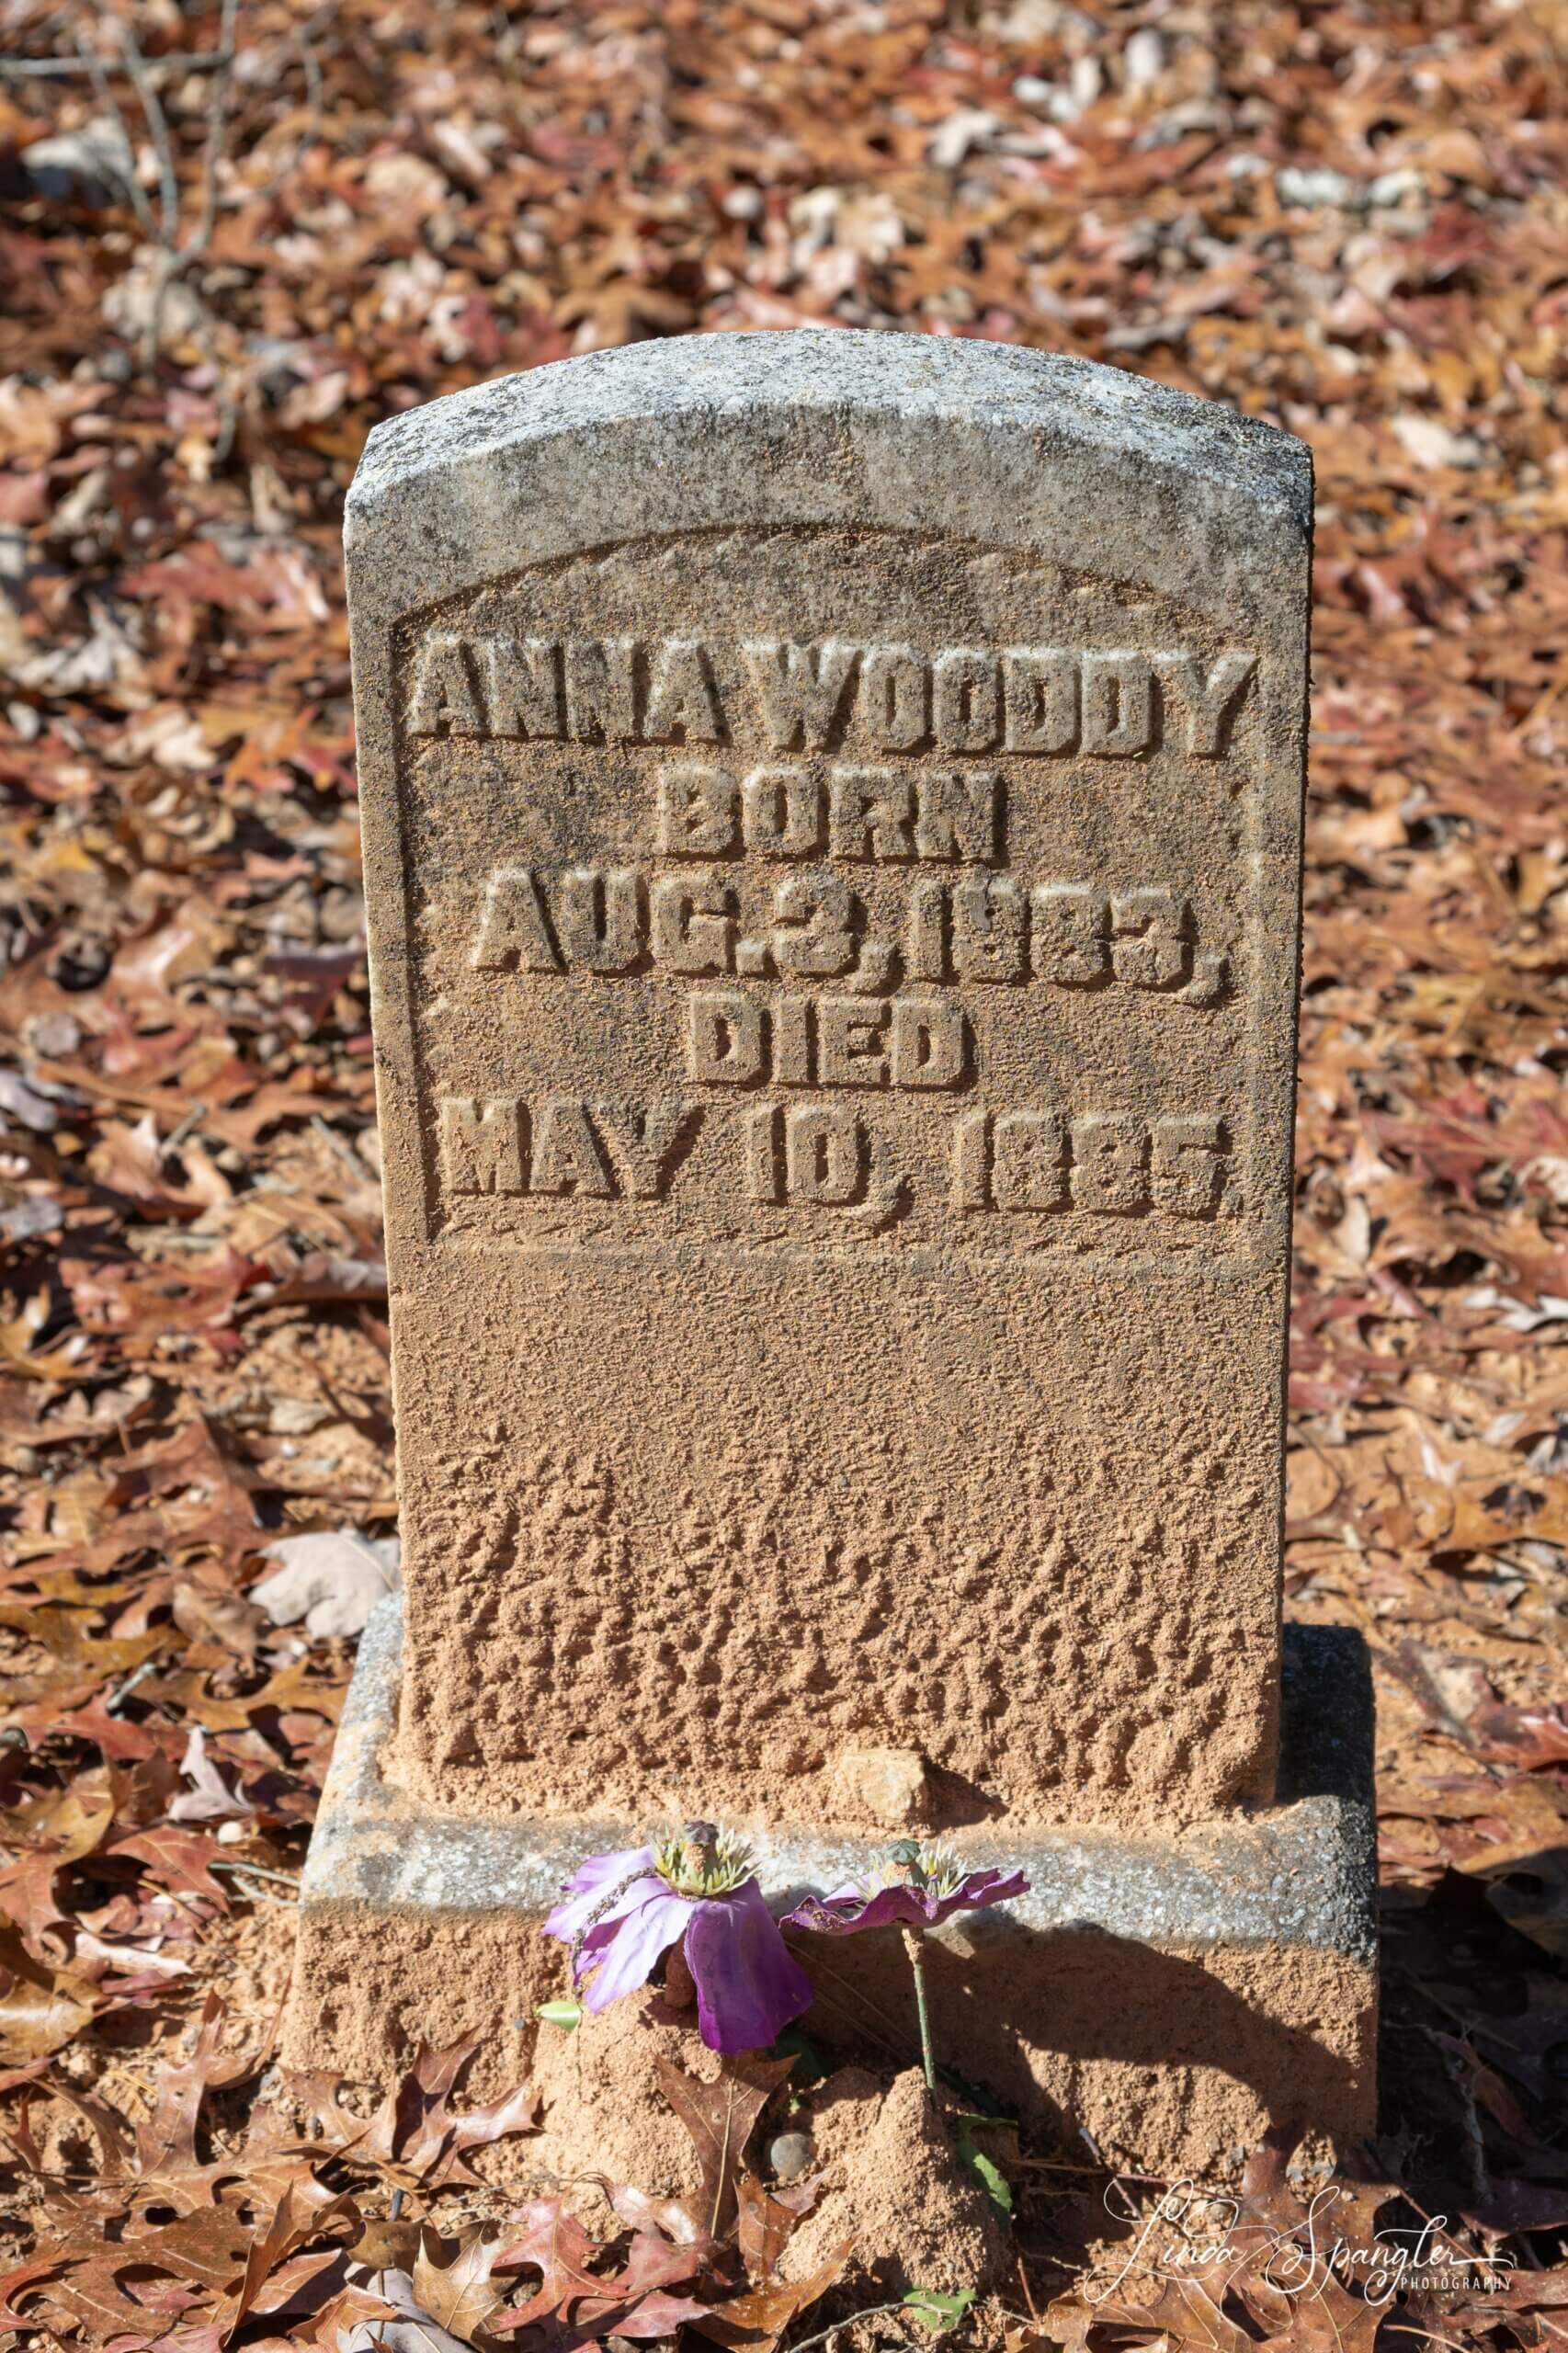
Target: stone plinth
x=1169, y=1997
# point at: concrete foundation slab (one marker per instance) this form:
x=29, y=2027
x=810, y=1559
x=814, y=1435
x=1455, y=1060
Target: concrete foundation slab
x=1169, y=1998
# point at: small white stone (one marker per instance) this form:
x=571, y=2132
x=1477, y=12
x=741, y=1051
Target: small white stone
x=53, y=1035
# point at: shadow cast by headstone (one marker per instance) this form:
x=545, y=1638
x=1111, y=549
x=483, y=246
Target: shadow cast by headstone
x=1241, y=1950
x=958, y=1803
x=1019, y=2018
x=1530, y=1894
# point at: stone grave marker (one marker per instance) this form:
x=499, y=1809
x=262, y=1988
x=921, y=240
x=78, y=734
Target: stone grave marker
x=832, y=811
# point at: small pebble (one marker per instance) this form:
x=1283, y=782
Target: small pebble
x=790, y=2154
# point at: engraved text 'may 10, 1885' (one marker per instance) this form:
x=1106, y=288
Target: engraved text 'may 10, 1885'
x=832, y=865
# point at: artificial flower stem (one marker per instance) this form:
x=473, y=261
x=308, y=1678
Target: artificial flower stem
x=915, y=1945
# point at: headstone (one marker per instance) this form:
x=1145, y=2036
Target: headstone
x=832, y=812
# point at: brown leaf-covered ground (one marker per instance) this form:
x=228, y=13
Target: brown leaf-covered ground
x=1349, y=217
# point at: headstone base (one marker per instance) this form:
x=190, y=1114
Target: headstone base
x=1165, y=2002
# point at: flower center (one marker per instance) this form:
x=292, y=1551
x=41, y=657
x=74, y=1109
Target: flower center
x=935, y=1870
x=702, y=1860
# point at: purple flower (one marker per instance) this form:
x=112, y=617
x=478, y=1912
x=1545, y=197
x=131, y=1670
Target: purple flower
x=622, y=1913
x=918, y=1887
x=915, y=1888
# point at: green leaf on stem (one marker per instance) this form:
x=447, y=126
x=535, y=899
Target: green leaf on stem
x=936, y=2311
x=987, y=2172
x=811, y=2068
x=564, y=2014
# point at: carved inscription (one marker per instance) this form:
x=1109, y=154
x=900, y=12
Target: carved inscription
x=1108, y=1161
x=821, y=861
x=736, y=1039
x=812, y=925
x=860, y=812
x=1045, y=701
x=829, y=1154
x=599, y=1151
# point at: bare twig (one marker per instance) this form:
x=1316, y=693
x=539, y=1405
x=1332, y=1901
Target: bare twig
x=314, y=86
x=255, y=1893
x=158, y=127
x=826, y=2335
x=117, y=1700
x=1403, y=2328
x=175, y=255
x=104, y=91
x=187, y=1127
x=50, y=69
x=167, y=258
x=237, y=1863
x=211, y=156
x=172, y=255
x=217, y=120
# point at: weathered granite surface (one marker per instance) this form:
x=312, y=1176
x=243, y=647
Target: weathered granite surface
x=1297, y=1872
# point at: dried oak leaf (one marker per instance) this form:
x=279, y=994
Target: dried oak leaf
x=1174, y=2313
x=766, y=2221
x=156, y=2164
x=167, y=2144
x=759, y=2318
x=41, y=2008
x=297, y=1687
x=629, y=2303
x=115, y=2136
x=414, y=2132
x=1288, y=2289
x=452, y=2279
x=174, y=1858
x=332, y=1578
x=114, y=2291
x=720, y=2118
x=1527, y=1886
x=23, y=2280
x=670, y=2216
x=302, y=2212
x=224, y=1619
x=52, y=1831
